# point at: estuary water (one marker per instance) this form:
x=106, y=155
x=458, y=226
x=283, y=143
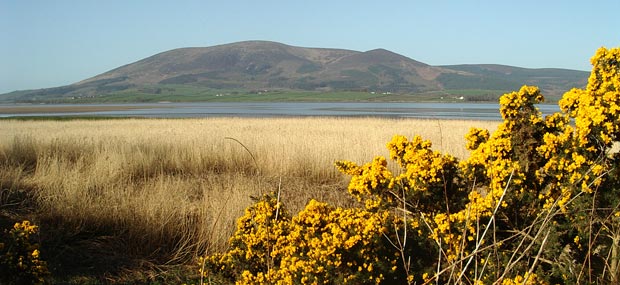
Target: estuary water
x=461, y=111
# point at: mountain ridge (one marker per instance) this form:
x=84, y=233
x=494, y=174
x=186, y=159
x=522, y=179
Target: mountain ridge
x=265, y=65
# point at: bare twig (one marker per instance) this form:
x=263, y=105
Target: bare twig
x=278, y=198
x=479, y=242
x=540, y=250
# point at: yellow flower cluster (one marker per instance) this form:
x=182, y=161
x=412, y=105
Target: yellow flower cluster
x=527, y=279
x=512, y=104
x=369, y=181
x=451, y=240
x=425, y=169
x=326, y=242
x=429, y=180
x=475, y=137
x=494, y=160
x=320, y=245
x=257, y=233
x=596, y=110
x=576, y=153
x=20, y=261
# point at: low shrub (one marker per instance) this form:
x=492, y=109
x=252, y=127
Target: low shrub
x=20, y=260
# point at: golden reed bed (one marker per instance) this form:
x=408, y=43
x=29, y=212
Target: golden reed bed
x=169, y=189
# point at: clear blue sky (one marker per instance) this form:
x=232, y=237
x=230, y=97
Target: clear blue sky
x=53, y=43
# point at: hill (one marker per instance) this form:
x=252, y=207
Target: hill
x=262, y=65
x=552, y=81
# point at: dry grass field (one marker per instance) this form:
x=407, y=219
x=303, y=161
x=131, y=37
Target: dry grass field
x=109, y=192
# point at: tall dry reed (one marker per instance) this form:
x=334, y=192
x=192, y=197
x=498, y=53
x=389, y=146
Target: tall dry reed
x=165, y=190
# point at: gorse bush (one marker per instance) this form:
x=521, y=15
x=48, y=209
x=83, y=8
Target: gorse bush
x=536, y=202
x=20, y=261
x=319, y=245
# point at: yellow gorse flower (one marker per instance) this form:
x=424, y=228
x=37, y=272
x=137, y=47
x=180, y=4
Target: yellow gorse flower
x=21, y=263
x=317, y=246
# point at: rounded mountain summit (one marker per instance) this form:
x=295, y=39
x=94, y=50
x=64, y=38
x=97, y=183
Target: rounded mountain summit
x=264, y=65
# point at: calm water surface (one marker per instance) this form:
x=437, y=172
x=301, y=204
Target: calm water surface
x=471, y=111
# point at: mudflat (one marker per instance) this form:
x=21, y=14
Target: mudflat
x=41, y=109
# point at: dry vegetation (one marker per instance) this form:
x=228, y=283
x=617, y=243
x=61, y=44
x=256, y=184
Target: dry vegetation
x=109, y=192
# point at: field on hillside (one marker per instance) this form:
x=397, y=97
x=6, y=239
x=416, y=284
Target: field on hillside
x=189, y=93
x=110, y=193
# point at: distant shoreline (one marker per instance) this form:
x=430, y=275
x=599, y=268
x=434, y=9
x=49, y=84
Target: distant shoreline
x=452, y=111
